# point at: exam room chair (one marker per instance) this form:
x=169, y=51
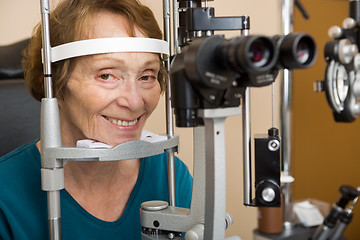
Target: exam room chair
x=19, y=112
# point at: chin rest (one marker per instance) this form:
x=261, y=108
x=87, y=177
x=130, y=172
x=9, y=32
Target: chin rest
x=19, y=112
x=10, y=60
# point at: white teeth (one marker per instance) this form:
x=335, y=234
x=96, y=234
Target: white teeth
x=122, y=122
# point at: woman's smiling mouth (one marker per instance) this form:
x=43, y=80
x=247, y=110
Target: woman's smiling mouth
x=122, y=123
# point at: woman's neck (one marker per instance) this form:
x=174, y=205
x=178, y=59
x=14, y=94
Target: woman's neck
x=102, y=188
x=89, y=175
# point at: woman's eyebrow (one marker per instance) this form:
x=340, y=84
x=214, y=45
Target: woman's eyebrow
x=100, y=58
x=152, y=63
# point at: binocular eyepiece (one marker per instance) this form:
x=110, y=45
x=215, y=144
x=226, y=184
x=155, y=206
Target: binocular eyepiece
x=260, y=54
x=211, y=72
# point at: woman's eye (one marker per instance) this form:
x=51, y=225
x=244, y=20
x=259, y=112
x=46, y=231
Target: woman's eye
x=147, y=78
x=106, y=77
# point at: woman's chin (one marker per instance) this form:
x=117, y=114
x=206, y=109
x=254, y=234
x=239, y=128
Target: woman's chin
x=116, y=142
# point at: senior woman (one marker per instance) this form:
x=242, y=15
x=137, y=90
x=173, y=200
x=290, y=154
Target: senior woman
x=103, y=97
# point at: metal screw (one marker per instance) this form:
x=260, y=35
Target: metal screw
x=274, y=145
x=171, y=235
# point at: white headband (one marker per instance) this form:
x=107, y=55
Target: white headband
x=108, y=45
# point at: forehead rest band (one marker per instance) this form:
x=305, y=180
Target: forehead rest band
x=108, y=45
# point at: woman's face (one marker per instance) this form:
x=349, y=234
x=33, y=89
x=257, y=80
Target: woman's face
x=109, y=96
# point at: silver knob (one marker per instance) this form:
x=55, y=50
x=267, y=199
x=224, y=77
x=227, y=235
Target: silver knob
x=268, y=194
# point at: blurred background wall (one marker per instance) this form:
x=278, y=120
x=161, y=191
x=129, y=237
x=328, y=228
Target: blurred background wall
x=315, y=146
x=324, y=152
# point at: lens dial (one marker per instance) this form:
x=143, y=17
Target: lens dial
x=337, y=85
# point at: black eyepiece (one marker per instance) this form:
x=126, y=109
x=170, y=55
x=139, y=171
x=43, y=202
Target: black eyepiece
x=297, y=50
x=249, y=54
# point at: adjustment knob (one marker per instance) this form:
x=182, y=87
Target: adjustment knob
x=268, y=194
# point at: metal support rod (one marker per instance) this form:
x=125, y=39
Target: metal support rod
x=168, y=106
x=199, y=172
x=50, y=129
x=54, y=215
x=46, y=54
x=175, y=21
x=246, y=146
x=171, y=178
x=286, y=118
x=51, y=137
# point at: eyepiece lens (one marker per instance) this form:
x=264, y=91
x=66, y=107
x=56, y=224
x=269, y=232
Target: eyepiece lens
x=302, y=52
x=258, y=53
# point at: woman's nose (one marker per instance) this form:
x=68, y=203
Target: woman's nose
x=130, y=95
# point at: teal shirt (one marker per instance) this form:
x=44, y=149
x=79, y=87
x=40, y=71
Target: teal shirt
x=23, y=205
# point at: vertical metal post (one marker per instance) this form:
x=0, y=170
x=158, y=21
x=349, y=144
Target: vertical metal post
x=175, y=27
x=168, y=106
x=246, y=127
x=215, y=205
x=215, y=180
x=52, y=175
x=51, y=172
x=54, y=214
x=46, y=54
x=246, y=146
x=286, y=116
